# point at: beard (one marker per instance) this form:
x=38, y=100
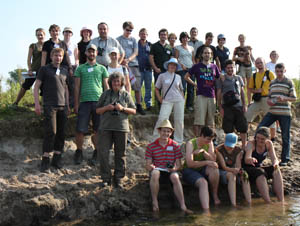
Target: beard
x=91, y=58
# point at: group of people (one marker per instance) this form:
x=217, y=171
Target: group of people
x=95, y=78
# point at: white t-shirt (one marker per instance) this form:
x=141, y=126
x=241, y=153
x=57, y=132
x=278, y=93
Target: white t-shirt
x=271, y=66
x=120, y=69
x=71, y=50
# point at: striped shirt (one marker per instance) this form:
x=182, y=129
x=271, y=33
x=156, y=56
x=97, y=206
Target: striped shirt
x=160, y=155
x=286, y=88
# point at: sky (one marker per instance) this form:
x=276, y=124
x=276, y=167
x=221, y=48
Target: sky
x=268, y=24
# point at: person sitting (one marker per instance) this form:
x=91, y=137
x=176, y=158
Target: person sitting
x=201, y=166
x=166, y=168
x=256, y=152
x=229, y=158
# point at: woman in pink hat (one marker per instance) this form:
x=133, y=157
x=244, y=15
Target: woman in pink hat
x=86, y=34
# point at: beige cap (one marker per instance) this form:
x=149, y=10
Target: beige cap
x=166, y=124
x=68, y=29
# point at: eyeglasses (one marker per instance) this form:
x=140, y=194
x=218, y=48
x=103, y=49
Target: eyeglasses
x=129, y=30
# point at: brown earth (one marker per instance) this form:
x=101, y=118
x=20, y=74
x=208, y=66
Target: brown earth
x=29, y=197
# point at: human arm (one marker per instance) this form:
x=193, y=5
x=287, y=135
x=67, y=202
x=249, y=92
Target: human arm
x=76, y=55
x=177, y=166
x=29, y=56
x=272, y=153
x=37, y=106
x=219, y=101
x=242, y=92
x=43, y=60
x=222, y=163
x=105, y=83
x=131, y=58
x=157, y=93
x=248, y=157
x=187, y=78
x=127, y=110
x=149, y=165
x=67, y=99
x=76, y=94
x=155, y=68
x=218, y=63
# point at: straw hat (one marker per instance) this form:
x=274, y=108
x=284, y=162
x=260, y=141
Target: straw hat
x=166, y=124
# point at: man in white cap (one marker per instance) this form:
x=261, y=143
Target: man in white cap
x=163, y=160
x=89, y=80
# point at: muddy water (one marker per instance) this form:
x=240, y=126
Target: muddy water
x=256, y=215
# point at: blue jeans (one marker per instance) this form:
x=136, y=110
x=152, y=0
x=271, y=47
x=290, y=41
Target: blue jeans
x=146, y=76
x=285, y=125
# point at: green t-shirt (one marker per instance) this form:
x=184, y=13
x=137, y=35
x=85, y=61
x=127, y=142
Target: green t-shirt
x=198, y=156
x=91, y=78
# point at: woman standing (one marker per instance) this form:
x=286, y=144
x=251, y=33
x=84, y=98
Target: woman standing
x=172, y=39
x=86, y=34
x=185, y=55
x=172, y=98
x=33, y=62
x=114, y=107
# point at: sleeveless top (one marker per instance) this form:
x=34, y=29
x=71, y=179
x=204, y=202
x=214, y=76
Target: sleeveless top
x=229, y=158
x=260, y=157
x=197, y=156
x=36, y=57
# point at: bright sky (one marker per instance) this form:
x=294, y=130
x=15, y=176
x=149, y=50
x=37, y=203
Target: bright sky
x=268, y=24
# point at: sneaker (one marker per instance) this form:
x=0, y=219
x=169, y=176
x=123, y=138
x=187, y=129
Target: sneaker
x=285, y=163
x=273, y=139
x=78, y=157
x=45, y=164
x=93, y=160
x=140, y=109
x=215, y=142
x=56, y=161
x=105, y=183
x=278, y=130
x=190, y=108
x=149, y=108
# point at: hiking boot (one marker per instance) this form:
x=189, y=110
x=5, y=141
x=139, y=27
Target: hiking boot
x=45, y=165
x=78, y=157
x=93, y=160
x=105, y=183
x=56, y=161
x=140, y=109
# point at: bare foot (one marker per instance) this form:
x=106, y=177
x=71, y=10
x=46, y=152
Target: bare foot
x=217, y=201
x=155, y=208
x=206, y=212
x=187, y=211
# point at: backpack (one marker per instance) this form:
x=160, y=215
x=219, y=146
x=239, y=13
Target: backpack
x=257, y=96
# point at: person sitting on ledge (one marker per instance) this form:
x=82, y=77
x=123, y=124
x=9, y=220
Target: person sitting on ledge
x=256, y=152
x=163, y=160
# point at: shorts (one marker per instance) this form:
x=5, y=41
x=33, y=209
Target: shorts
x=245, y=72
x=27, y=84
x=234, y=118
x=223, y=177
x=191, y=176
x=85, y=111
x=137, y=85
x=204, y=113
x=164, y=177
x=255, y=172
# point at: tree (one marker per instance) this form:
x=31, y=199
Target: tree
x=16, y=75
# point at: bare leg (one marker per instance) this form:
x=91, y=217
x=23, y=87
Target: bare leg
x=213, y=177
x=137, y=97
x=244, y=140
x=262, y=186
x=94, y=139
x=278, y=185
x=20, y=95
x=248, y=90
x=178, y=191
x=232, y=187
x=246, y=190
x=202, y=185
x=196, y=130
x=79, y=140
x=273, y=132
x=154, y=187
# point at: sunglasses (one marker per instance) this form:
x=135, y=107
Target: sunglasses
x=129, y=30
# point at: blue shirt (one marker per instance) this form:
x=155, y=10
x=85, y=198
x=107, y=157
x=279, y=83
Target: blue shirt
x=223, y=55
x=143, y=56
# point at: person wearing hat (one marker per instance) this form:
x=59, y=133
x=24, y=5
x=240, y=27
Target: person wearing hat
x=114, y=66
x=90, y=78
x=229, y=158
x=171, y=98
x=257, y=151
x=163, y=160
x=222, y=52
x=86, y=34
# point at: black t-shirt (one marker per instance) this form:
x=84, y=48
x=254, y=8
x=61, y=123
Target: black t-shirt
x=200, y=51
x=223, y=55
x=54, y=84
x=49, y=45
x=82, y=47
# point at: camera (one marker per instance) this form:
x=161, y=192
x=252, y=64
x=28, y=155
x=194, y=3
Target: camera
x=115, y=112
x=100, y=51
x=170, y=165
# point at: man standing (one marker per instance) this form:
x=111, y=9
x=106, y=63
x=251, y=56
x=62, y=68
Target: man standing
x=89, y=80
x=130, y=47
x=194, y=42
x=53, y=77
x=104, y=43
x=231, y=102
x=222, y=52
x=208, y=41
x=163, y=160
x=206, y=74
x=259, y=85
x=145, y=66
x=281, y=94
x=160, y=52
x=274, y=57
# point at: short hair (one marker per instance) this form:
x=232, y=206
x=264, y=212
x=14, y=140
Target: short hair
x=183, y=35
x=273, y=51
x=114, y=76
x=193, y=28
x=102, y=23
x=57, y=50
x=207, y=132
x=172, y=34
x=54, y=26
x=162, y=30
x=128, y=24
x=280, y=66
x=241, y=35
x=209, y=35
x=228, y=62
x=41, y=30
x=263, y=131
x=143, y=30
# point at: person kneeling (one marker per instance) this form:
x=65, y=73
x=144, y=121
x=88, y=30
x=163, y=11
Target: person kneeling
x=256, y=152
x=163, y=160
x=229, y=157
